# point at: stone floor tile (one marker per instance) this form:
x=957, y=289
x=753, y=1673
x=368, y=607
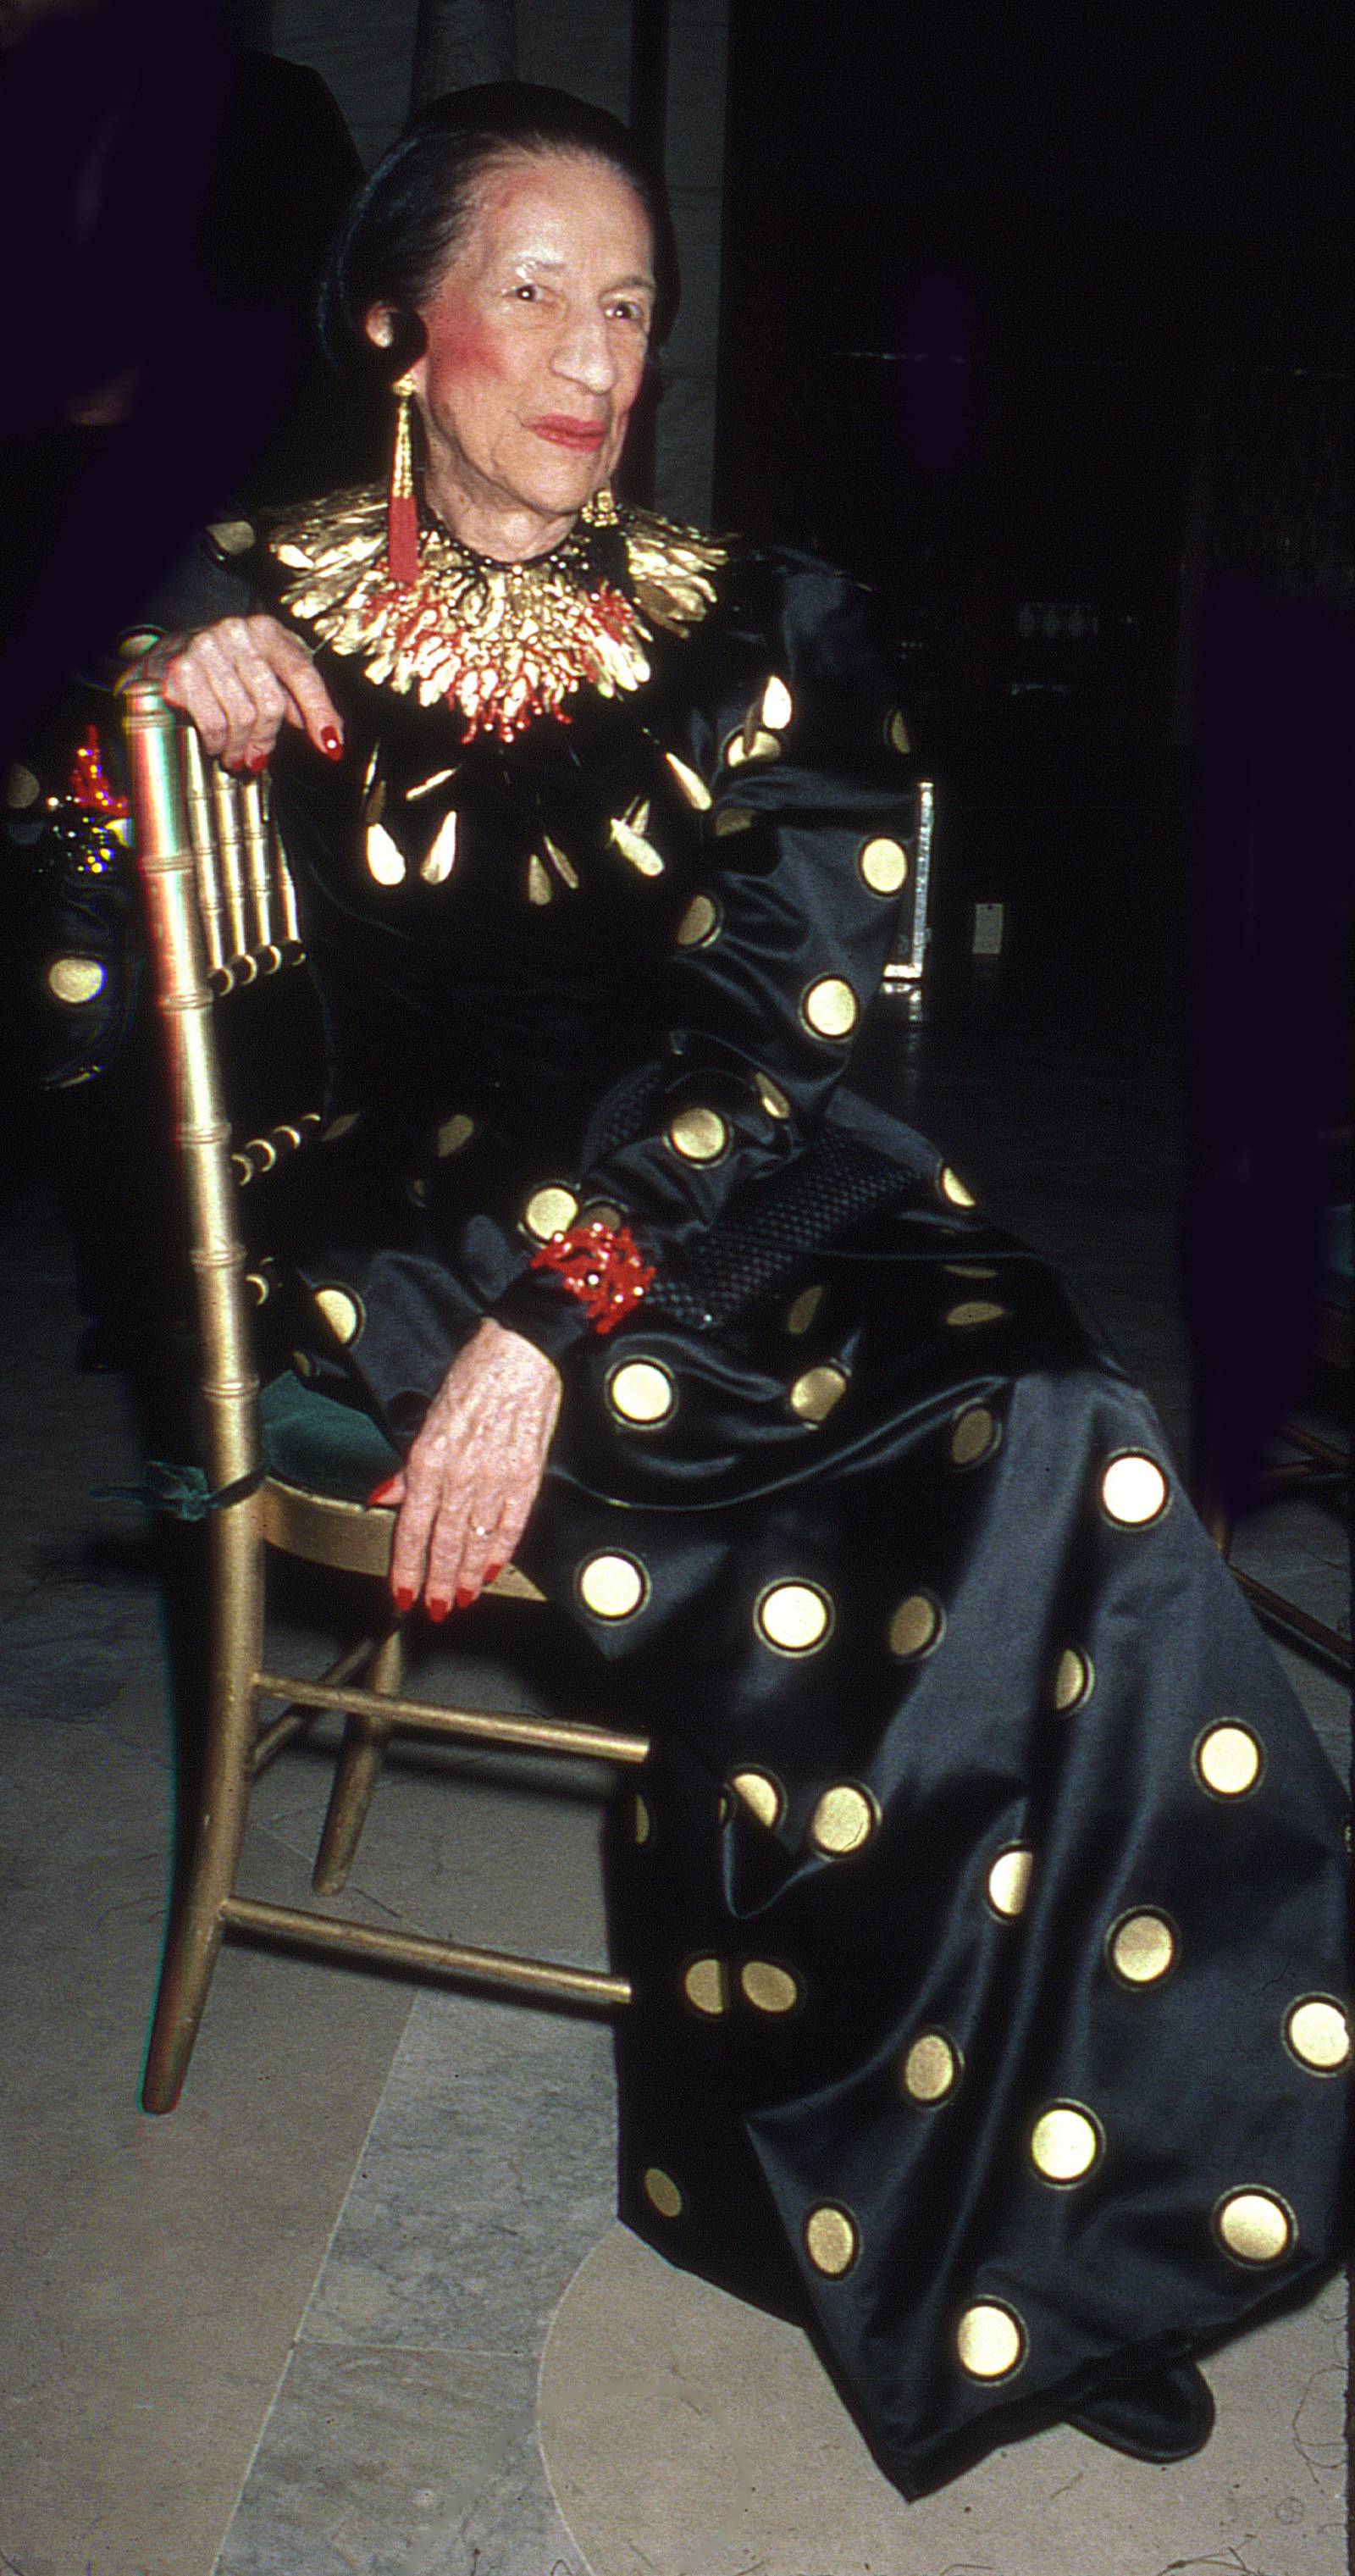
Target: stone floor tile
x=372, y=2461
x=687, y=2435
x=487, y=2177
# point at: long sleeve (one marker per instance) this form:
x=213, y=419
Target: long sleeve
x=803, y=801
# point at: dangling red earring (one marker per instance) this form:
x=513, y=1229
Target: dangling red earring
x=402, y=509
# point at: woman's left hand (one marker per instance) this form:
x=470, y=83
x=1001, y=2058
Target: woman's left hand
x=474, y=1471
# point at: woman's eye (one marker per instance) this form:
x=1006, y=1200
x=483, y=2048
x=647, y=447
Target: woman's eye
x=524, y=293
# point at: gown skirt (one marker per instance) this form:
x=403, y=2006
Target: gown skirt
x=983, y=1893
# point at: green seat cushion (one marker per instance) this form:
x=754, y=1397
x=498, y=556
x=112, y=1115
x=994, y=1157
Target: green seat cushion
x=313, y=1440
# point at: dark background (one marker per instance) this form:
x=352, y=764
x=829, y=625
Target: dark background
x=1040, y=315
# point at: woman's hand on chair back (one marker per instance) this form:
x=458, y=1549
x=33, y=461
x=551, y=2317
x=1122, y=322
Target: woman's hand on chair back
x=239, y=682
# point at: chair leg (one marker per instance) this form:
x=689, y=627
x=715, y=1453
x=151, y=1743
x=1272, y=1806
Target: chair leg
x=194, y=1935
x=358, y=1769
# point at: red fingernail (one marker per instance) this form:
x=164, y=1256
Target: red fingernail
x=382, y=1493
x=492, y=1573
x=437, y=1610
x=404, y=1598
x=257, y=764
x=330, y=744
x=465, y=1594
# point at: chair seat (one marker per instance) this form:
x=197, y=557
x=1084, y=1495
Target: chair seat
x=314, y=1441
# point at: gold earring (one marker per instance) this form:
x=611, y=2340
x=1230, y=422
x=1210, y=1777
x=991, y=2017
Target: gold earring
x=600, y=511
x=402, y=508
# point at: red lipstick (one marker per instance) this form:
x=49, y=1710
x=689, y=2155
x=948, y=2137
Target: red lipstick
x=586, y=436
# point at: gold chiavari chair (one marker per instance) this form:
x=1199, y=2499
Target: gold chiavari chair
x=276, y=1473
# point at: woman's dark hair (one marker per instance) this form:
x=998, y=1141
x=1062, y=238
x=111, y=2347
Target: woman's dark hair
x=412, y=215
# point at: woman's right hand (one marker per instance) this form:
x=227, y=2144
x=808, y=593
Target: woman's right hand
x=239, y=682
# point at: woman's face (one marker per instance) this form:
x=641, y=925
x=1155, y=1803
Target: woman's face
x=535, y=351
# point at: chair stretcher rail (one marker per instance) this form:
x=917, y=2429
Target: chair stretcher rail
x=525, y=1734
x=418, y=1950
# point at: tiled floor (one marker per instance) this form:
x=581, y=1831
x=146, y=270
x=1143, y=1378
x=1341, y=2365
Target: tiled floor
x=298, y=2329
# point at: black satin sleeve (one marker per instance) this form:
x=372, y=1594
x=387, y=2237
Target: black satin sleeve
x=782, y=944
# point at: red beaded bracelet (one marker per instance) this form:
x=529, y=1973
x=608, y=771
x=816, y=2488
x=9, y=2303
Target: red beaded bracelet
x=602, y=1266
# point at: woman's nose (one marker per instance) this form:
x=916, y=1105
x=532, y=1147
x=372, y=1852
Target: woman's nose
x=584, y=354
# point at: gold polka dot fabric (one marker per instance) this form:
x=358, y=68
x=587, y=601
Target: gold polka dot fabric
x=981, y=1897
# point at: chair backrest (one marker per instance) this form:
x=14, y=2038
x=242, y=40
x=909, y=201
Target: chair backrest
x=221, y=915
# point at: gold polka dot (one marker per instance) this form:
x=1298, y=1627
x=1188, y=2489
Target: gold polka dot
x=1008, y=1881
x=896, y=732
x=1133, y=1490
x=990, y=2340
x=778, y=706
x=602, y=1212
x=814, y=1395
x=1141, y=1948
x=976, y=1435
x=641, y=1821
x=969, y=1270
x=662, y=2192
x=1066, y=2143
x=452, y=1135
x=916, y=1626
x=550, y=1211
x=700, y=922
x=1229, y=1760
x=769, y=1988
x=830, y=1007
x=693, y=788
x=1317, y=2033
x=731, y=818
x=641, y=1391
x=843, y=1820
x=954, y=1189
x=705, y=1983
x=232, y=536
x=884, y=865
x=802, y=1310
x=341, y=1126
x=1073, y=1680
x=437, y=866
x=1255, y=2226
x=699, y=1135
x=385, y=858
x=796, y=1618
x=762, y=1794
x=831, y=2240
x=737, y=750
x=931, y=2069
x=772, y=1096
x=613, y=1586
x=22, y=788
x=342, y=1312
x=975, y=1310
x=539, y=887
x=75, y=979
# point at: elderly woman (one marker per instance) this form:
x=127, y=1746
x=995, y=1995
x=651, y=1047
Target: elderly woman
x=983, y=1895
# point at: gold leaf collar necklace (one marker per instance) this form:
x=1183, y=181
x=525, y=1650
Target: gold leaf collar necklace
x=502, y=643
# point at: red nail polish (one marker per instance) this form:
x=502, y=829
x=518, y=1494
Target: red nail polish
x=257, y=764
x=382, y=1493
x=404, y=1598
x=492, y=1573
x=465, y=1594
x=437, y=1611
x=330, y=744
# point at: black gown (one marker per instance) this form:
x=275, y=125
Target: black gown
x=984, y=1893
